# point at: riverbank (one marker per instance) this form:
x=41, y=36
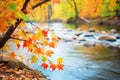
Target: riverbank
x=108, y=21
x=12, y=69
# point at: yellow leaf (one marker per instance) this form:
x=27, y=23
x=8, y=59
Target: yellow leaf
x=35, y=37
x=6, y=48
x=60, y=60
x=16, y=41
x=39, y=32
x=49, y=53
x=20, y=32
x=33, y=59
x=30, y=47
x=22, y=24
x=44, y=42
x=54, y=37
x=21, y=57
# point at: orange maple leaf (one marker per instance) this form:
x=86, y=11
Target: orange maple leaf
x=11, y=15
x=44, y=65
x=18, y=45
x=52, y=44
x=60, y=66
x=38, y=51
x=49, y=52
x=44, y=42
x=12, y=55
x=3, y=25
x=53, y=66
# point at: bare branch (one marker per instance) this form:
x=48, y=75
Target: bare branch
x=34, y=25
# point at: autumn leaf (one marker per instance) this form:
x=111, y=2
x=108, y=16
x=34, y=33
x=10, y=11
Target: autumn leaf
x=3, y=26
x=39, y=32
x=42, y=50
x=44, y=58
x=17, y=42
x=49, y=53
x=44, y=42
x=37, y=51
x=33, y=59
x=44, y=33
x=53, y=66
x=12, y=55
x=56, y=1
x=52, y=44
x=44, y=65
x=60, y=66
x=22, y=24
x=54, y=37
x=27, y=43
x=21, y=57
x=60, y=60
x=18, y=45
x=35, y=37
x=11, y=15
x=30, y=47
x=6, y=48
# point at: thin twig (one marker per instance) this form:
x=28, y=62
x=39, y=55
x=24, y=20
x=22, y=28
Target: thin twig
x=17, y=39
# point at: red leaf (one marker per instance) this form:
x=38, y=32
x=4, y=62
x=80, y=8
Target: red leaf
x=30, y=41
x=18, y=45
x=60, y=66
x=12, y=55
x=25, y=44
x=44, y=65
x=53, y=66
x=44, y=33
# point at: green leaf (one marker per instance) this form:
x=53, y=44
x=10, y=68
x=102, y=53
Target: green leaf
x=33, y=59
x=12, y=6
x=44, y=58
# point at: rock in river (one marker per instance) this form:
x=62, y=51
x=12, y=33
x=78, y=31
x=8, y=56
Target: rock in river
x=107, y=37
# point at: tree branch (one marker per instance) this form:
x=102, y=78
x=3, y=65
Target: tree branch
x=12, y=28
x=9, y=32
x=17, y=39
x=39, y=3
x=25, y=5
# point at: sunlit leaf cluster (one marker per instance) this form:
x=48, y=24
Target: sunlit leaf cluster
x=13, y=14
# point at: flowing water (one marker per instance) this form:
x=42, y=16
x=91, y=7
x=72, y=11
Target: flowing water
x=80, y=62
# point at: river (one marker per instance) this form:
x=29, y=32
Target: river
x=80, y=62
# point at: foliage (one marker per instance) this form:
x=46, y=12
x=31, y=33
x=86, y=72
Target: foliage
x=85, y=8
x=13, y=14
